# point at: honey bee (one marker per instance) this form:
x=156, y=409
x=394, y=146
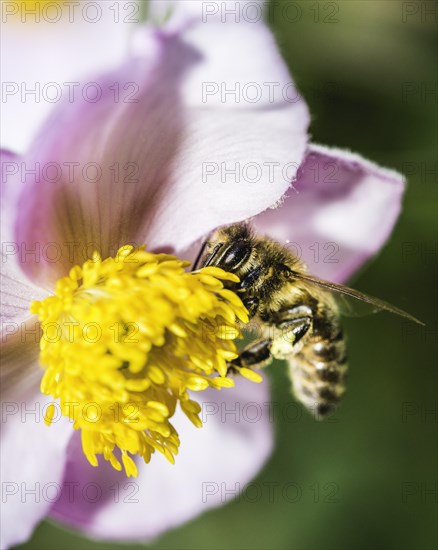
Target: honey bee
x=299, y=313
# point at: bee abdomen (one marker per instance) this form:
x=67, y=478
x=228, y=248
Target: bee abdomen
x=318, y=373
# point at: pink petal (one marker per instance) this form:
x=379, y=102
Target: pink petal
x=32, y=454
x=9, y=166
x=17, y=291
x=52, y=58
x=160, y=145
x=339, y=214
x=223, y=456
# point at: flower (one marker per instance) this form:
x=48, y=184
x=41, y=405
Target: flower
x=183, y=334
x=163, y=170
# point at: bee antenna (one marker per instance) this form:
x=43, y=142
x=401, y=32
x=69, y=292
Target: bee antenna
x=199, y=256
x=201, y=252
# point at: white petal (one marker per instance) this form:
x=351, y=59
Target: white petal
x=53, y=57
x=170, y=138
x=32, y=454
x=32, y=464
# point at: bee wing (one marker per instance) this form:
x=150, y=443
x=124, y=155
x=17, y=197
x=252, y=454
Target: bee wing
x=375, y=304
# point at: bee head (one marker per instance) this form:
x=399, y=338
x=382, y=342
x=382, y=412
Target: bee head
x=229, y=247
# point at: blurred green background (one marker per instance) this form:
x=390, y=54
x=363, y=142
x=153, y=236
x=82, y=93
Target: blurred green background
x=368, y=70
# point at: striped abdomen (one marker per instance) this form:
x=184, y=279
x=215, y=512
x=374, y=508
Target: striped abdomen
x=318, y=369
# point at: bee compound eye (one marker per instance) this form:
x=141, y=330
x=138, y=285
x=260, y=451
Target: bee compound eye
x=235, y=254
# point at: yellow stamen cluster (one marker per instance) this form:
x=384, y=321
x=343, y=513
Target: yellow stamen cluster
x=125, y=338
x=35, y=10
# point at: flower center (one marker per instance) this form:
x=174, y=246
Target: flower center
x=124, y=339
x=36, y=10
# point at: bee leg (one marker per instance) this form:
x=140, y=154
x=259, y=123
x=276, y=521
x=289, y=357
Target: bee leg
x=291, y=325
x=255, y=355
